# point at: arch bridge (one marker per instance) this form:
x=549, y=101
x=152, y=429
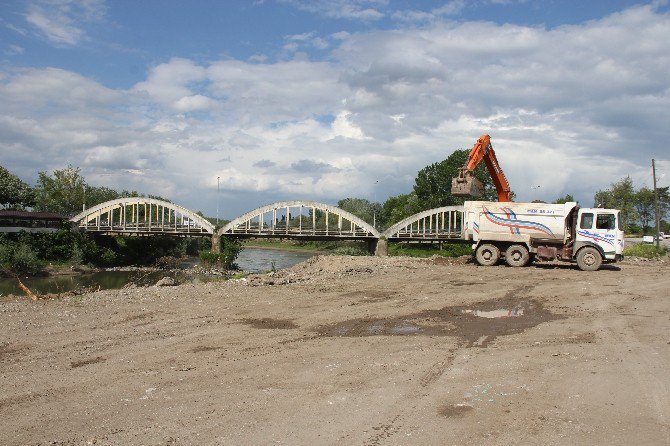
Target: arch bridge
x=142, y=216
x=302, y=220
x=306, y=220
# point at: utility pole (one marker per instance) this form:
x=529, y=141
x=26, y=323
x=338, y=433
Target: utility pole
x=218, y=189
x=658, y=217
x=374, y=207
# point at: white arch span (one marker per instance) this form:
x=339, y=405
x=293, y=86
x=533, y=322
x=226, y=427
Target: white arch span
x=443, y=222
x=142, y=215
x=265, y=221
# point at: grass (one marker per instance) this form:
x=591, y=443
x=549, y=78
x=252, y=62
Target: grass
x=648, y=251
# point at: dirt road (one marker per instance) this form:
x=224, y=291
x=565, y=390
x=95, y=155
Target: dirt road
x=347, y=350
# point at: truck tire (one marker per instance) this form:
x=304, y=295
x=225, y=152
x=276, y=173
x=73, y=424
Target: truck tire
x=517, y=255
x=589, y=259
x=487, y=254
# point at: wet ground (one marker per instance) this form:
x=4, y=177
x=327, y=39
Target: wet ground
x=476, y=324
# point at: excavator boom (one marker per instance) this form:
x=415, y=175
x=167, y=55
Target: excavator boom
x=466, y=185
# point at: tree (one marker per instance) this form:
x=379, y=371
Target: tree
x=14, y=192
x=363, y=209
x=399, y=207
x=100, y=194
x=432, y=185
x=621, y=195
x=644, y=204
x=62, y=193
x=565, y=199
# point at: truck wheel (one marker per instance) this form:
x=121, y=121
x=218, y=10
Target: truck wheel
x=589, y=259
x=487, y=254
x=517, y=255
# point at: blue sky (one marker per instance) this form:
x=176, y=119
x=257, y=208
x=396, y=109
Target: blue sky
x=329, y=99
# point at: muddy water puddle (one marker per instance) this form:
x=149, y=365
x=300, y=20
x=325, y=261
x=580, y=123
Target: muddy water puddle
x=270, y=324
x=477, y=325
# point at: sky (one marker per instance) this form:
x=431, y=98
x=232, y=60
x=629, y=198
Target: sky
x=245, y=103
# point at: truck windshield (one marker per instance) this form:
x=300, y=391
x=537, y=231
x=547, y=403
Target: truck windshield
x=605, y=221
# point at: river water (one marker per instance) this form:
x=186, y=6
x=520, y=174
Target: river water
x=250, y=259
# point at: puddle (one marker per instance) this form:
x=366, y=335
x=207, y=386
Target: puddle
x=454, y=410
x=370, y=296
x=477, y=325
x=493, y=314
x=203, y=348
x=76, y=364
x=269, y=323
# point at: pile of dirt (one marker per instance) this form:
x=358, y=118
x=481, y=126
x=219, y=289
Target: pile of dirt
x=326, y=268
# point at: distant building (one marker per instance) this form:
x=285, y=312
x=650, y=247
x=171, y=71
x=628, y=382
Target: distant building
x=17, y=221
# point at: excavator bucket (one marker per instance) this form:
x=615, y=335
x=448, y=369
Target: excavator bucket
x=466, y=184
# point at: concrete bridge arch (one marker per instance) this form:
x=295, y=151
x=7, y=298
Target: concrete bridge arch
x=439, y=224
x=142, y=216
x=300, y=220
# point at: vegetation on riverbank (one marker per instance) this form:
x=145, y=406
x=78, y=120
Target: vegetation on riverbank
x=27, y=253
x=230, y=248
x=647, y=251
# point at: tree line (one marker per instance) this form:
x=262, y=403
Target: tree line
x=432, y=189
x=65, y=192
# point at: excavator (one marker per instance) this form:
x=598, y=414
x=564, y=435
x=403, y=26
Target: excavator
x=466, y=185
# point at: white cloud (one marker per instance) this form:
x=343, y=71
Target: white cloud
x=450, y=8
x=193, y=103
x=13, y=50
x=171, y=84
x=343, y=127
x=305, y=40
x=62, y=22
x=365, y=10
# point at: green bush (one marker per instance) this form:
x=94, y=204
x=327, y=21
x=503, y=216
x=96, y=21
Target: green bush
x=26, y=261
x=108, y=258
x=648, y=251
x=350, y=251
x=230, y=248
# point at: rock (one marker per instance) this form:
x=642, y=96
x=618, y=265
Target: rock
x=166, y=281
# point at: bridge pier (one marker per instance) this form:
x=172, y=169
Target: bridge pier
x=216, y=243
x=382, y=247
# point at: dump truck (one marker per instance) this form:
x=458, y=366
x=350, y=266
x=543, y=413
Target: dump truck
x=522, y=232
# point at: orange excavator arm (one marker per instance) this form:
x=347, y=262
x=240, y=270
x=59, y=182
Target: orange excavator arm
x=465, y=184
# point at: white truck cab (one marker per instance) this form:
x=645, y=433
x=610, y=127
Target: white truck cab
x=602, y=229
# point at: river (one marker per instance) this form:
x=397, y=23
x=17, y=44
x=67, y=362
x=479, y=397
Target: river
x=250, y=260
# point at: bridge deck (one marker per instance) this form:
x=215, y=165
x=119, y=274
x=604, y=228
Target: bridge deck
x=145, y=229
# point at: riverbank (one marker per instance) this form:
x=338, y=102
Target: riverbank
x=354, y=350
x=79, y=279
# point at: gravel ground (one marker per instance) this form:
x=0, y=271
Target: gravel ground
x=348, y=350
